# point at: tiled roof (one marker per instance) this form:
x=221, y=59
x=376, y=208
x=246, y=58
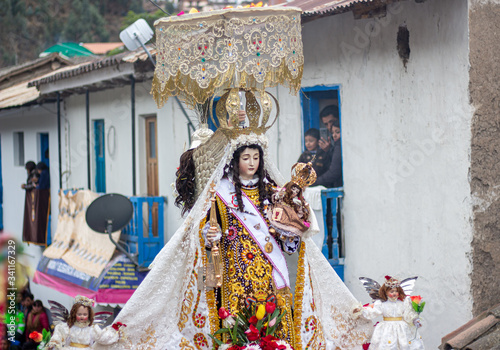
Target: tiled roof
x=86, y=67
x=102, y=48
x=18, y=95
x=315, y=8
x=482, y=332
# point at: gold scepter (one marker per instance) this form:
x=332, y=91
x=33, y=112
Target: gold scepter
x=215, y=245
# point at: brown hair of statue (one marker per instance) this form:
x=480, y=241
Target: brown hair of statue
x=382, y=292
x=72, y=314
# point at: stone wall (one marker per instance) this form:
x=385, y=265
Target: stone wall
x=484, y=33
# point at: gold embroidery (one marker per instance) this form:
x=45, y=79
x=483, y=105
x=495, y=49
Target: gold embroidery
x=200, y=341
x=317, y=341
x=148, y=340
x=184, y=345
x=187, y=303
x=262, y=46
x=347, y=336
x=299, y=295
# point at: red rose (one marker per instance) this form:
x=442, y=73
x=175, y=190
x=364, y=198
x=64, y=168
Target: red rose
x=416, y=298
x=252, y=333
x=37, y=337
x=388, y=277
x=366, y=346
x=270, y=307
x=253, y=320
x=223, y=313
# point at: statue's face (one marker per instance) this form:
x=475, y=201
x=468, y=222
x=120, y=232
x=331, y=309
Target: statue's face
x=249, y=163
x=82, y=314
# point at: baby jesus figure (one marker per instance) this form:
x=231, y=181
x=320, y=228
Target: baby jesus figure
x=288, y=212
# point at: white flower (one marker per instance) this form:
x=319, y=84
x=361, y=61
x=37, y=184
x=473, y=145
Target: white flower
x=253, y=347
x=282, y=342
x=229, y=321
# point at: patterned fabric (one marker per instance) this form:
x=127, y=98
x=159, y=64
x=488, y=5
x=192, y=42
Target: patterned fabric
x=247, y=272
x=200, y=53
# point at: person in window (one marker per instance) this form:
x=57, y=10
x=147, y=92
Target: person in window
x=333, y=176
x=328, y=116
x=321, y=158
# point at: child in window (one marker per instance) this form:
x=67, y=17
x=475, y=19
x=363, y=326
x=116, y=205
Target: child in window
x=321, y=161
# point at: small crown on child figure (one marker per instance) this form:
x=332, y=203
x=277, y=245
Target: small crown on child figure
x=80, y=299
x=303, y=174
x=392, y=282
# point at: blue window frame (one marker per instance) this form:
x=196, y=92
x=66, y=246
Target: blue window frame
x=99, y=152
x=313, y=100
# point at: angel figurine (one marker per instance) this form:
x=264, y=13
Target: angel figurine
x=399, y=328
x=79, y=328
x=288, y=212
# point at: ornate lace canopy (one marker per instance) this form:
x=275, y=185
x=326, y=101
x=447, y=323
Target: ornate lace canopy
x=201, y=53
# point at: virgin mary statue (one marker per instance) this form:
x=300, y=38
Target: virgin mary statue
x=226, y=185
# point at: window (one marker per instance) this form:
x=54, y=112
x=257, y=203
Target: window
x=19, y=149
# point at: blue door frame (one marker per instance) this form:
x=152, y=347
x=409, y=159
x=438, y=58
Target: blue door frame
x=44, y=148
x=100, y=161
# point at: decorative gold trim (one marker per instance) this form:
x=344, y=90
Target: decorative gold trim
x=393, y=318
x=299, y=295
x=77, y=345
x=187, y=303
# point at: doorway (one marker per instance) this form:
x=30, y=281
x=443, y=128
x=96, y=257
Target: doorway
x=44, y=155
x=99, y=154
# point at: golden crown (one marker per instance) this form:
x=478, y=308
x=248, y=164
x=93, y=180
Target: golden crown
x=258, y=108
x=303, y=174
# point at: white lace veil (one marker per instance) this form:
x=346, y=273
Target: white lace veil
x=152, y=313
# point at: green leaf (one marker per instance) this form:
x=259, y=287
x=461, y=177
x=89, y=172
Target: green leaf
x=222, y=330
x=216, y=340
x=415, y=306
x=234, y=338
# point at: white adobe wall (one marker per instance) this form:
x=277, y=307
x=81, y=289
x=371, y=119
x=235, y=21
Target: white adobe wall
x=114, y=107
x=406, y=145
x=31, y=121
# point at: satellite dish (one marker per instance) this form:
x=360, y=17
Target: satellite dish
x=110, y=213
x=136, y=35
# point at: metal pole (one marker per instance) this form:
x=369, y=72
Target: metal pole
x=132, y=103
x=59, y=137
x=87, y=111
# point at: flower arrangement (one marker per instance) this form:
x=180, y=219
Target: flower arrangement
x=42, y=338
x=252, y=328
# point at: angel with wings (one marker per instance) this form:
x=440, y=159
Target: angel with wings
x=79, y=328
x=398, y=330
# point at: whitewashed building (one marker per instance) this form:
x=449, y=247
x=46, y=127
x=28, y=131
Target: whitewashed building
x=416, y=84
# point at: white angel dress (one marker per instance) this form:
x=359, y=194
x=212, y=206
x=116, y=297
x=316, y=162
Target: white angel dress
x=396, y=331
x=81, y=336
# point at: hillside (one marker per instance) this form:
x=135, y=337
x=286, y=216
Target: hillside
x=28, y=27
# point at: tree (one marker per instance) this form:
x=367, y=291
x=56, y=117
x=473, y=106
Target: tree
x=85, y=23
